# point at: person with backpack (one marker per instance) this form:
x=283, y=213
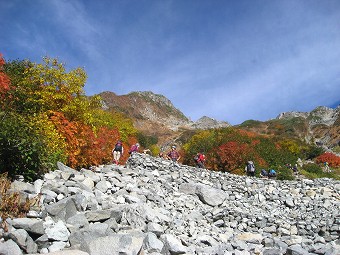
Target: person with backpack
x=200, y=159
x=272, y=173
x=295, y=169
x=250, y=168
x=117, y=152
x=173, y=155
x=327, y=169
x=134, y=148
x=264, y=173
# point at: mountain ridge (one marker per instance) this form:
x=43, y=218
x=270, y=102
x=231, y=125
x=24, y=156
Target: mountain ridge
x=154, y=114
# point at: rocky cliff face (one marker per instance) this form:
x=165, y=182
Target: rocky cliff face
x=319, y=116
x=323, y=125
x=151, y=206
x=320, y=126
x=146, y=108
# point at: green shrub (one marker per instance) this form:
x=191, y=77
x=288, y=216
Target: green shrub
x=285, y=174
x=313, y=152
x=146, y=141
x=313, y=171
x=250, y=124
x=22, y=149
x=313, y=168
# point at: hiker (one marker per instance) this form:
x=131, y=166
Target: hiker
x=173, y=155
x=327, y=169
x=264, y=173
x=117, y=152
x=272, y=173
x=199, y=159
x=134, y=148
x=295, y=169
x=250, y=168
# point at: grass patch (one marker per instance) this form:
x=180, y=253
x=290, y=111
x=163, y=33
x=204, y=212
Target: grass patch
x=313, y=171
x=285, y=174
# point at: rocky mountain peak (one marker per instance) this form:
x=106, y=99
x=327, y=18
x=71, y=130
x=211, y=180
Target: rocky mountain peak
x=156, y=98
x=207, y=122
x=293, y=114
x=323, y=115
x=154, y=113
x=320, y=115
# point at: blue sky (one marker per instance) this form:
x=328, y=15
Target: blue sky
x=231, y=60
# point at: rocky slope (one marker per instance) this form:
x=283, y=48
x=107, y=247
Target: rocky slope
x=153, y=207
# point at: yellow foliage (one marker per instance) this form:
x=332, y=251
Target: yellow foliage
x=291, y=146
x=155, y=150
x=56, y=144
x=49, y=87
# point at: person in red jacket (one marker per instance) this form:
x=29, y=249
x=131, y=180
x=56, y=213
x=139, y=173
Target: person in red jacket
x=200, y=160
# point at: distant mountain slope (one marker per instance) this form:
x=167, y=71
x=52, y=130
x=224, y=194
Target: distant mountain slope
x=320, y=126
x=146, y=107
x=154, y=114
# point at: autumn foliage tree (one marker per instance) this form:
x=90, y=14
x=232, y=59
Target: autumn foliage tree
x=57, y=120
x=332, y=159
x=4, y=81
x=232, y=155
x=228, y=149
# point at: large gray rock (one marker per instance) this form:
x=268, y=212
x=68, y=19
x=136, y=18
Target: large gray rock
x=9, y=247
x=34, y=226
x=57, y=231
x=152, y=243
x=129, y=244
x=25, y=242
x=210, y=196
x=18, y=186
x=98, y=215
x=173, y=245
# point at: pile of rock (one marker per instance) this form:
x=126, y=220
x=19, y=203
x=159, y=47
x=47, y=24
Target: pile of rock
x=152, y=206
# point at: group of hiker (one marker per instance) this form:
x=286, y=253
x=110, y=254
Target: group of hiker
x=118, y=151
x=175, y=156
x=293, y=168
x=199, y=159
x=250, y=170
x=172, y=155
x=271, y=173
